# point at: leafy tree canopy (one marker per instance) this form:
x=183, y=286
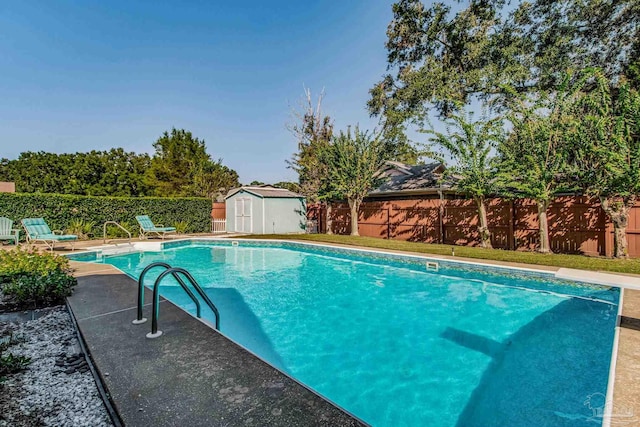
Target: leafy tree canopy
x=313, y=130
x=469, y=144
x=353, y=161
x=607, y=150
x=443, y=56
x=96, y=173
x=291, y=186
x=181, y=167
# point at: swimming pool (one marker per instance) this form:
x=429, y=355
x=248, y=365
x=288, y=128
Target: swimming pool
x=397, y=344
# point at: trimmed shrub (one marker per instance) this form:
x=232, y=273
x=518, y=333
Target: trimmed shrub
x=28, y=261
x=65, y=211
x=29, y=279
x=41, y=291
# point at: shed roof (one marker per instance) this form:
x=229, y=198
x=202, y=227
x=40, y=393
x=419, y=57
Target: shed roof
x=266, y=192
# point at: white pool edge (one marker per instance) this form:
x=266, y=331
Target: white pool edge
x=608, y=410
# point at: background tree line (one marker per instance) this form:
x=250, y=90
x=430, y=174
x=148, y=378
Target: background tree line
x=557, y=82
x=180, y=167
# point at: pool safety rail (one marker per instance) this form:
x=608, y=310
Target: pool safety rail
x=178, y=274
x=104, y=230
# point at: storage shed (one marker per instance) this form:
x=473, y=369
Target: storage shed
x=265, y=210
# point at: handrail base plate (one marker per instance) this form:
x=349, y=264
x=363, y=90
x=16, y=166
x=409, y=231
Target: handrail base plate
x=152, y=335
x=139, y=322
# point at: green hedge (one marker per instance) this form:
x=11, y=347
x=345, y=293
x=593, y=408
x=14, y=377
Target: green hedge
x=61, y=211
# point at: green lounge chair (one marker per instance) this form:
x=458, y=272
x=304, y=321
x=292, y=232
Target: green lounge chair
x=147, y=226
x=38, y=231
x=7, y=232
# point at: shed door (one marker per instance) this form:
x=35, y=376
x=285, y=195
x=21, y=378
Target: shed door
x=243, y=215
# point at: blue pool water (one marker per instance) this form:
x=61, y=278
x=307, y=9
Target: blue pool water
x=398, y=345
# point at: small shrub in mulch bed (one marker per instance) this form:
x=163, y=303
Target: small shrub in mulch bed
x=30, y=279
x=9, y=362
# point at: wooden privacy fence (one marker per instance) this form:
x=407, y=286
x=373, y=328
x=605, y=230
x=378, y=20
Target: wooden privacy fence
x=577, y=224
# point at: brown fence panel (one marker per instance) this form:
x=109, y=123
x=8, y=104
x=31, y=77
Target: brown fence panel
x=416, y=220
x=525, y=224
x=633, y=231
x=218, y=211
x=340, y=219
x=373, y=220
x=460, y=223
x=577, y=224
x=500, y=223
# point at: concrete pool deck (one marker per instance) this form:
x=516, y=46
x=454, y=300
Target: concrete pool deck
x=191, y=375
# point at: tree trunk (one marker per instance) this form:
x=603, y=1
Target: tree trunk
x=328, y=220
x=483, y=228
x=545, y=247
x=354, y=205
x=618, y=211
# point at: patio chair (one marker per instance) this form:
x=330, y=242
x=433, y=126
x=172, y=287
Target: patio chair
x=7, y=232
x=147, y=227
x=38, y=231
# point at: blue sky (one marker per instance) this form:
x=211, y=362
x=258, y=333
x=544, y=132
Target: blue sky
x=83, y=75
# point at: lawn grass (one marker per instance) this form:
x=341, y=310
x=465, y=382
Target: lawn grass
x=554, y=260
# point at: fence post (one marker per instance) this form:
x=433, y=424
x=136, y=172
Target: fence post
x=512, y=220
x=608, y=234
x=441, y=216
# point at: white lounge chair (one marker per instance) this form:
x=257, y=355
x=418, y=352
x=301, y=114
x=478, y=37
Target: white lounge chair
x=38, y=231
x=7, y=232
x=147, y=226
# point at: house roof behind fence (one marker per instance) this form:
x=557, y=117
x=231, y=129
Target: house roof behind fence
x=402, y=178
x=266, y=191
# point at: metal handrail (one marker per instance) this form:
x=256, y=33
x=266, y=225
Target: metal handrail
x=104, y=230
x=141, y=319
x=156, y=299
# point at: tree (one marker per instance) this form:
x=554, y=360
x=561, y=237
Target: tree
x=560, y=35
x=438, y=59
x=313, y=131
x=181, y=167
x=442, y=57
x=291, y=186
x=608, y=157
x=534, y=161
x=96, y=173
x=470, y=146
x=124, y=173
x=213, y=180
x=353, y=161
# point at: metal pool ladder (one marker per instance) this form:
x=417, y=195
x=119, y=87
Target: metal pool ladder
x=175, y=272
x=104, y=231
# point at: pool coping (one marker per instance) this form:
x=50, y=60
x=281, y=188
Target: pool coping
x=630, y=282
